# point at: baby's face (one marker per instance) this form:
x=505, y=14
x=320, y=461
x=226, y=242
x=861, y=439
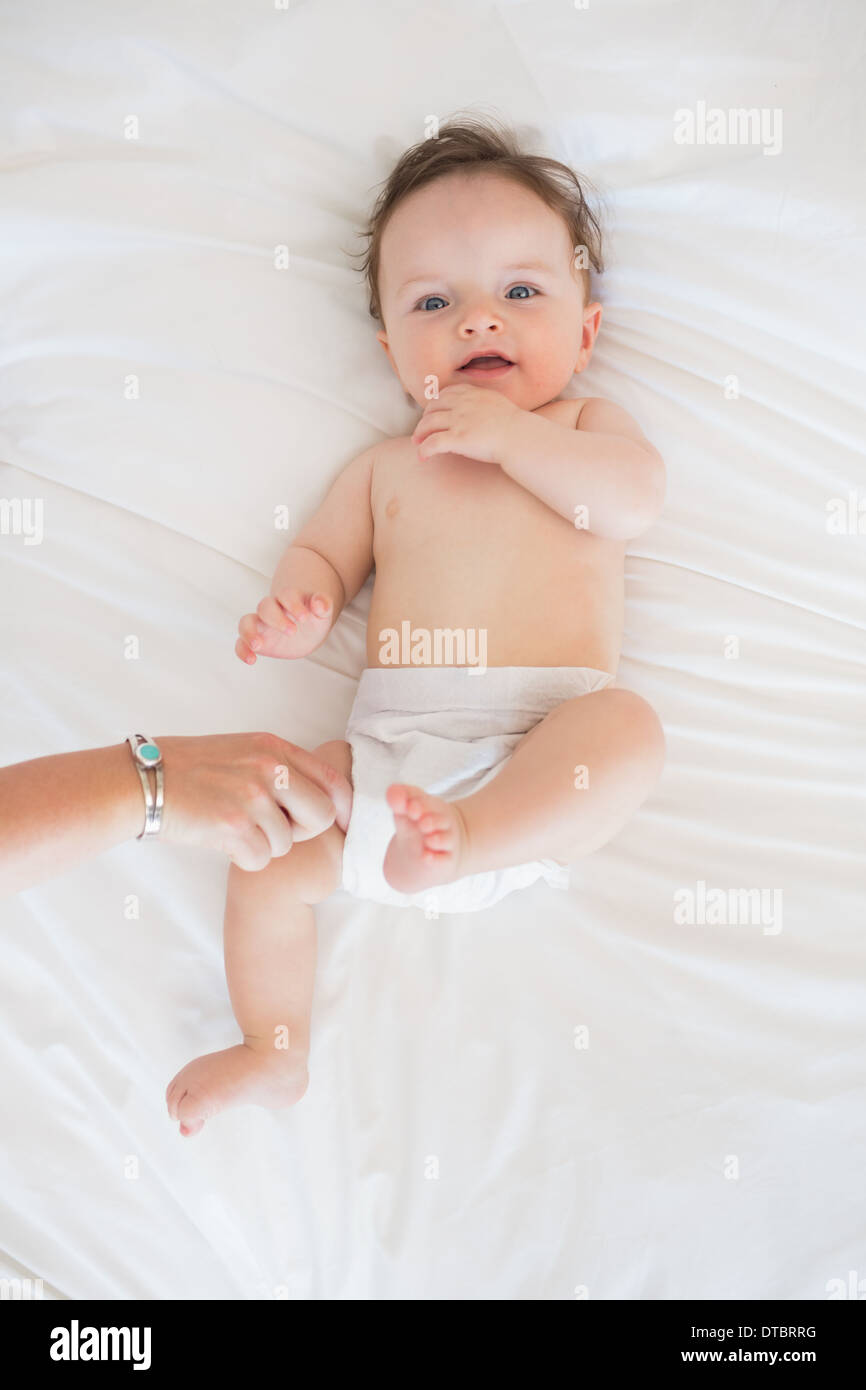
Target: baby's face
x=477, y=262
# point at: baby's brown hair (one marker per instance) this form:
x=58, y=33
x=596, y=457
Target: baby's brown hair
x=471, y=143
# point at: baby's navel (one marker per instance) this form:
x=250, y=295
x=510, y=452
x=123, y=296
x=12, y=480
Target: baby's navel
x=393, y=507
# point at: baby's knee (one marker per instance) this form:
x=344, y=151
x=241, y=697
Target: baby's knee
x=308, y=873
x=640, y=732
x=318, y=870
x=336, y=759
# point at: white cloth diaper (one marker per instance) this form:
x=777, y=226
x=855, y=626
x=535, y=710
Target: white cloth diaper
x=448, y=729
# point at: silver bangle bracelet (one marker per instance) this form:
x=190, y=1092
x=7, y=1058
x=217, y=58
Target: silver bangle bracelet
x=148, y=758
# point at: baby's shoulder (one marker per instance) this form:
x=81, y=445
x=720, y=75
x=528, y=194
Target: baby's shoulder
x=567, y=413
x=564, y=412
x=391, y=452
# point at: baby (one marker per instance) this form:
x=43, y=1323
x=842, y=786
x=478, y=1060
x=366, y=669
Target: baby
x=488, y=745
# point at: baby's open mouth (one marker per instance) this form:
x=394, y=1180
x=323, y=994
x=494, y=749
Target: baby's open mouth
x=485, y=364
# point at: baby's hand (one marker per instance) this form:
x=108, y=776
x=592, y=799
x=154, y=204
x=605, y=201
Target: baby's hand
x=472, y=421
x=288, y=624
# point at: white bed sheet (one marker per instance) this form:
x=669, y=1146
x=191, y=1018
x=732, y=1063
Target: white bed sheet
x=605, y=1171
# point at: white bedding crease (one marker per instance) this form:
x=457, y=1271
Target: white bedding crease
x=571, y=1094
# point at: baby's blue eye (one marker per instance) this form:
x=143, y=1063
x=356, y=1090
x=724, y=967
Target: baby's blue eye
x=528, y=288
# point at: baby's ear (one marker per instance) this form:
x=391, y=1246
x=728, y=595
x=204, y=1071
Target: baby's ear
x=382, y=338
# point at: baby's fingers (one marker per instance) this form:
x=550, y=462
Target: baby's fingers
x=272, y=614
x=301, y=606
x=250, y=630
x=243, y=651
x=320, y=605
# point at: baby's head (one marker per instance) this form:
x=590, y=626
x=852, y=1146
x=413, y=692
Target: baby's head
x=476, y=245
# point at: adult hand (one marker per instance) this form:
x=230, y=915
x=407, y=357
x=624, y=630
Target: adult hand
x=250, y=796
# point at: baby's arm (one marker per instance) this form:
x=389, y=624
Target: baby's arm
x=604, y=470
x=321, y=571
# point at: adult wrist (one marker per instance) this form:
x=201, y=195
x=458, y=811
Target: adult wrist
x=147, y=760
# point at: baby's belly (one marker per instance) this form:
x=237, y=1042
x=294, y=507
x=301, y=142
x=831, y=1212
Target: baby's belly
x=493, y=616
x=462, y=550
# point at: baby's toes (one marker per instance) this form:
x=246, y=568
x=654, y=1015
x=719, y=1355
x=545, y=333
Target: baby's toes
x=398, y=797
x=422, y=805
x=194, y=1105
x=189, y=1113
x=439, y=839
x=171, y=1094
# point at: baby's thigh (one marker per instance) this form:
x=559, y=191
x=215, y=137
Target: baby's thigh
x=338, y=753
x=315, y=867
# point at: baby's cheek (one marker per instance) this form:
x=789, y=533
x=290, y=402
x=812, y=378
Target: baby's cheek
x=549, y=373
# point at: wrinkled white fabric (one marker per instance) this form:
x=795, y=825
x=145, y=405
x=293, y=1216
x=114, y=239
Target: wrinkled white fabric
x=548, y=1097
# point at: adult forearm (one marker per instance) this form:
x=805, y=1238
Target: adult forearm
x=58, y=810
x=597, y=481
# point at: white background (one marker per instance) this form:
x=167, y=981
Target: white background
x=600, y=1169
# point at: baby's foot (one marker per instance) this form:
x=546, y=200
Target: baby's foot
x=235, y=1076
x=429, y=841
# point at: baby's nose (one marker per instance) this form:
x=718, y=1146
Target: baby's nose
x=482, y=318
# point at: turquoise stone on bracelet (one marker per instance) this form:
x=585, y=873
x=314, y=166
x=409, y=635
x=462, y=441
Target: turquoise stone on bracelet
x=149, y=752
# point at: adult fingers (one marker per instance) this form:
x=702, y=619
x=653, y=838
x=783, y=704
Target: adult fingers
x=276, y=826
x=250, y=849
x=311, y=810
x=336, y=787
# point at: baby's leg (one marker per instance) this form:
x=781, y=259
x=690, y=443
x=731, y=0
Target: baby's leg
x=270, y=953
x=540, y=805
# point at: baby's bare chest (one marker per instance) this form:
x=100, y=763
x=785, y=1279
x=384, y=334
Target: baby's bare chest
x=458, y=509
x=459, y=504
x=455, y=521
x=459, y=544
